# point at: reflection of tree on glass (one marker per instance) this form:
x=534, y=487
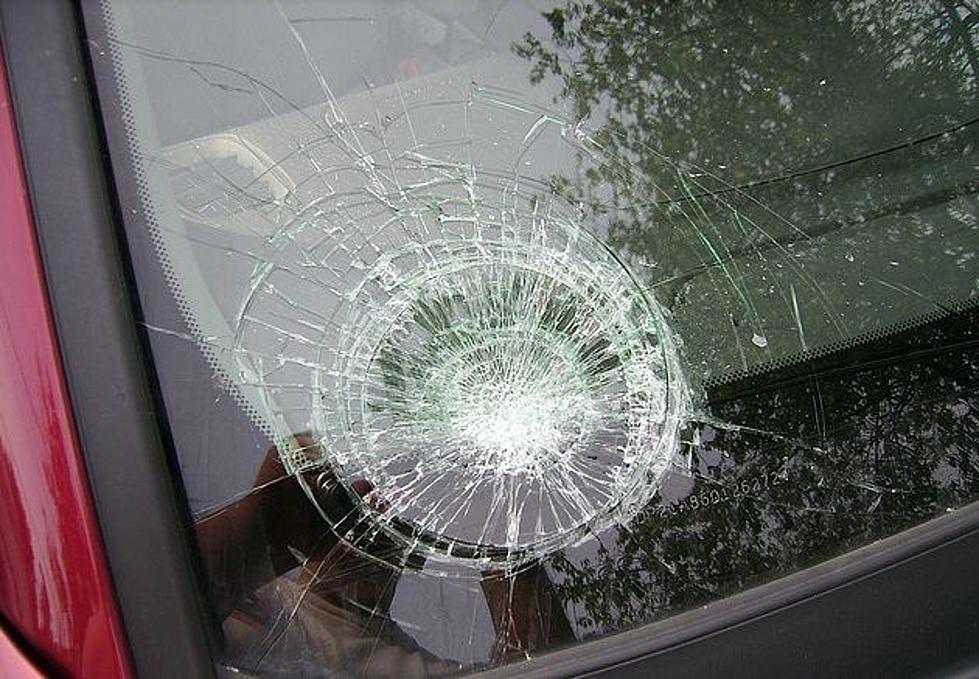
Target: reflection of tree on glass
x=794, y=185
x=739, y=172
x=826, y=457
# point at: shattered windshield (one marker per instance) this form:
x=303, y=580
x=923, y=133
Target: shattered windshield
x=488, y=328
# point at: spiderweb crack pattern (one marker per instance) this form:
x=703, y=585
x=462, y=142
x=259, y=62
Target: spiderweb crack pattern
x=473, y=351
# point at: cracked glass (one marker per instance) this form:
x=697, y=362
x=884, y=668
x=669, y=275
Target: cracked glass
x=488, y=328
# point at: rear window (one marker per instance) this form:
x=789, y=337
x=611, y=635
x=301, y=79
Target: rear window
x=489, y=328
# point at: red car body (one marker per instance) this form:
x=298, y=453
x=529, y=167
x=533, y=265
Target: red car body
x=55, y=586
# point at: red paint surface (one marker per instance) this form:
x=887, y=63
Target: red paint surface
x=55, y=587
